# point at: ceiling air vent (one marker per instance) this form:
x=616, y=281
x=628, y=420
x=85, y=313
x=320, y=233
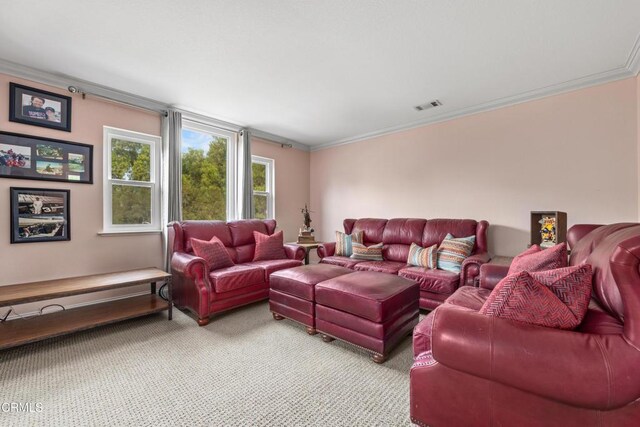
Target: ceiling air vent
x=428, y=105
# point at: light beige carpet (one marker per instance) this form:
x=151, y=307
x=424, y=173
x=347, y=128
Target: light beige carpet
x=243, y=369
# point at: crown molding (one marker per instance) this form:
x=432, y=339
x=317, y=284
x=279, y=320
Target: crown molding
x=568, y=86
x=633, y=62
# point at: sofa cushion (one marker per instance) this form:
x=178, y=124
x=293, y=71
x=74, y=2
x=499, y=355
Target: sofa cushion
x=344, y=242
x=271, y=266
x=367, y=253
x=373, y=296
x=436, y=230
x=269, y=247
x=213, y=252
x=389, y=267
x=205, y=230
x=537, y=259
x=236, y=277
x=372, y=229
x=453, y=251
x=301, y=281
x=439, y=281
x=469, y=297
x=341, y=261
x=522, y=298
x=423, y=257
x=399, y=234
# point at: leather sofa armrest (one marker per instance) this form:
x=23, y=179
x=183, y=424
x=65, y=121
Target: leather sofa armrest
x=470, y=269
x=326, y=249
x=491, y=274
x=294, y=251
x=190, y=266
x=584, y=370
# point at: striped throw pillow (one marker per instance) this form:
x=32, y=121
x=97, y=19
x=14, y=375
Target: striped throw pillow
x=269, y=247
x=344, y=242
x=423, y=257
x=369, y=253
x=453, y=251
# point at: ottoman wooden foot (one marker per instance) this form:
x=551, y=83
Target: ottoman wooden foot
x=378, y=358
x=203, y=322
x=276, y=316
x=327, y=338
x=311, y=331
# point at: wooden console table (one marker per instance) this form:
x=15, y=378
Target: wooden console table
x=23, y=331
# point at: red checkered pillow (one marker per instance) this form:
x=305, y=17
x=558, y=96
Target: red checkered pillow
x=554, y=299
x=269, y=247
x=536, y=259
x=213, y=252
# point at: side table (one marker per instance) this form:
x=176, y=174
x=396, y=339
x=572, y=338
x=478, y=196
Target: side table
x=307, y=247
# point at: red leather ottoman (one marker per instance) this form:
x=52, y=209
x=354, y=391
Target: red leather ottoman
x=372, y=310
x=291, y=292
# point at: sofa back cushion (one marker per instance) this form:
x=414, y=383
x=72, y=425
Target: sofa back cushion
x=242, y=236
x=205, y=230
x=436, y=230
x=398, y=235
x=372, y=229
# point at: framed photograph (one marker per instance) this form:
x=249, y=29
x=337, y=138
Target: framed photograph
x=39, y=215
x=32, y=157
x=37, y=107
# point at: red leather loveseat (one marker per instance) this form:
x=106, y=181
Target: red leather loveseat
x=478, y=370
x=205, y=292
x=397, y=234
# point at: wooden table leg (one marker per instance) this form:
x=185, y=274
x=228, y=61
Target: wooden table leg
x=153, y=288
x=170, y=296
x=306, y=256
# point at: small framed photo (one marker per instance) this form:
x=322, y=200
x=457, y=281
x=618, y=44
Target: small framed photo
x=33, y=157
x=37, y=107
x=39, y=215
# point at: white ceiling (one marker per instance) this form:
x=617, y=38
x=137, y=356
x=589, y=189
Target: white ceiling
x=321, y=72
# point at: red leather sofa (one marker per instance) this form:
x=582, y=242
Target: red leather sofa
x=478, y=370
x=205, y=292
x=397, y=234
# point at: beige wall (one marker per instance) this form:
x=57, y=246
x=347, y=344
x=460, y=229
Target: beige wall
x=87, y=252
x=638, y=135
x=574, y=152
x=292, y=184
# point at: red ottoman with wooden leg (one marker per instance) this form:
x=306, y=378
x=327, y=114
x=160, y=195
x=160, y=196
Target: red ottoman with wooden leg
x=372, y=310
x=292, y=292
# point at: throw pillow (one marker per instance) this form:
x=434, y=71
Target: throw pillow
x=369, y=253
x=572, y=285
x=423, y=257
x=537, y=259
x=453, y=251
x=521, y=297
x=344, y=242
x=213, y=252
x=269, y=247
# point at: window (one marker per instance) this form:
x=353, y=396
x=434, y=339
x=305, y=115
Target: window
x=263, y=188
x=132, y=183
x=208, y=172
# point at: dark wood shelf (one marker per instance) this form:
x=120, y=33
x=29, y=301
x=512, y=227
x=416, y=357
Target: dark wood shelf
x=23, y=331
x=49, y=289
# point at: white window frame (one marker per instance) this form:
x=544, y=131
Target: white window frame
x=232, y=142
x=155, y=142
x=270, y=179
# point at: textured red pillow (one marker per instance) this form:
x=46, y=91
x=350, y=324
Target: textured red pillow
x=555, y=299
x=269, y=247
x=536, y=259
x=213, y=252
x=572, y=285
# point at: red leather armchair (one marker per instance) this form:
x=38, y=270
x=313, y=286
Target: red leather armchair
x=205, y=292
x=397, y=234
x=472, y=369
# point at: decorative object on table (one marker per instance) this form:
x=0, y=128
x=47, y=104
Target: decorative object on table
x=33, y=157
x=37, y=107
x=305, y=234
x=39, y=215
x=548, y=228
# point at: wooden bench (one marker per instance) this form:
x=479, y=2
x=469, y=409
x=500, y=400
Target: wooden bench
x=23, y=331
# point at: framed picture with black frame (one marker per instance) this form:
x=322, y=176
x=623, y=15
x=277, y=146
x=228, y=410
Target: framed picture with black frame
x=34, y=157
x=39, y=215
x=38, y=107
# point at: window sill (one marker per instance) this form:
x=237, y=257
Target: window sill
x=128, y=232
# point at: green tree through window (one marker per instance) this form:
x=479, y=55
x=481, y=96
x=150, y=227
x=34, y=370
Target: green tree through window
x=204, y=177
x=130, y=161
